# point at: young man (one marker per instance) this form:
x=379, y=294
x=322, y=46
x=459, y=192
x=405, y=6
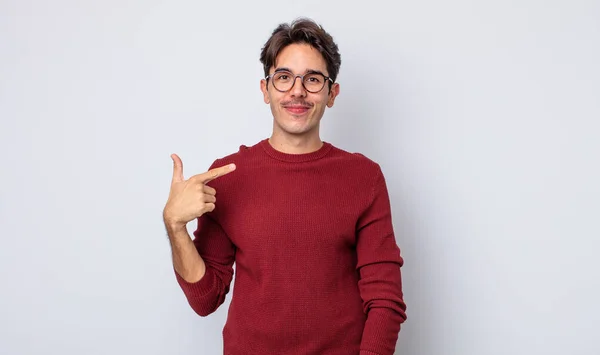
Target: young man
x=307, y=224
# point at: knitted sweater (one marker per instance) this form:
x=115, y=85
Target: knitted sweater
x=317, y=267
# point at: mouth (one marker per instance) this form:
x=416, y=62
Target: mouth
x=297, y=109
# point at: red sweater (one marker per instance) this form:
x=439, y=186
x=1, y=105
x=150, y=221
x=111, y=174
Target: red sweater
x=316, y=262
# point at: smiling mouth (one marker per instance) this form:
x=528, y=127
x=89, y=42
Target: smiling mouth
x=298, y=110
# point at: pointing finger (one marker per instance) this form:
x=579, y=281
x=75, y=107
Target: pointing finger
x=215, y=173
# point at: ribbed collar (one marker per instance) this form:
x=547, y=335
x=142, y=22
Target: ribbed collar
x=295, y=158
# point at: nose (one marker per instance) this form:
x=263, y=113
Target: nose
x=297, y=89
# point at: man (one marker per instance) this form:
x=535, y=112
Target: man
x=308, y=225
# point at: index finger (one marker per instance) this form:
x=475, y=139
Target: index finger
x=215, y=173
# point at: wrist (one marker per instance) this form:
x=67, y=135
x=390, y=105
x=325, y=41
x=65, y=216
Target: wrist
x=174, y=227
x=170, y=221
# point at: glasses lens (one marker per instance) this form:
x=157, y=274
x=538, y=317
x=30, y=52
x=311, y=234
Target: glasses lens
x=283, y=81
x=314, y=82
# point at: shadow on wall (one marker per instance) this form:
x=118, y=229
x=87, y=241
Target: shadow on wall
x=357, y=124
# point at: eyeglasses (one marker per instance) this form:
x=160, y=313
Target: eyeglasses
x=284, y=81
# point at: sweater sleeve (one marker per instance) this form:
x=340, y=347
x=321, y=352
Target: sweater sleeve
x=380, y=282
x=218, y=253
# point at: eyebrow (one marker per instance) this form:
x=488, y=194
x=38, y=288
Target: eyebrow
x=308, y=71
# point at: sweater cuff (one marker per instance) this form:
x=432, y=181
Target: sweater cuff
x=366, y=352
x=200, y=288
x=381, y=330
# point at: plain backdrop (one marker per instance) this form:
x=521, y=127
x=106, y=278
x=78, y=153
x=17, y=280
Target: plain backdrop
x=484, y=116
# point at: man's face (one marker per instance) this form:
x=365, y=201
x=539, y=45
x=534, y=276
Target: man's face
x=298, y=112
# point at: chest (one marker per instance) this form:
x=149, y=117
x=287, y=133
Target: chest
x=307, y=214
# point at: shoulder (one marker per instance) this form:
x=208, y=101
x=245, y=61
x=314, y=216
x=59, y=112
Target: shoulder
x=358, y=161
x=244, y=152
x=359, y=169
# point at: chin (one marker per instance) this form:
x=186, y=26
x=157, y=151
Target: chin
x=295, y=129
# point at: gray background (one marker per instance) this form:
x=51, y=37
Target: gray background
x=483, y=115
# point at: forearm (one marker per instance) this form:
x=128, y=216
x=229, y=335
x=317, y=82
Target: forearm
x=381, y=289
x=186, y=260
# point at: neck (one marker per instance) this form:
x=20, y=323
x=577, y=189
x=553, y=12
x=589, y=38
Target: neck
x=295, y=145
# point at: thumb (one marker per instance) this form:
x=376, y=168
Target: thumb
x=177, y=168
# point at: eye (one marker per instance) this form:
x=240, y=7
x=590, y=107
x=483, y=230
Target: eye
x=283, y=77
x=314, y=79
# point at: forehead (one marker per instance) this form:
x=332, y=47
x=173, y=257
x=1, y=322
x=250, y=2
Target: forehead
x=300, y=57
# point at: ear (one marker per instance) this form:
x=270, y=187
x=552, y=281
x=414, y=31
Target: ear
x=265, y=91
x=333, y=93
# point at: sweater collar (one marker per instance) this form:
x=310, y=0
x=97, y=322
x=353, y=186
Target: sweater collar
x=295, y=158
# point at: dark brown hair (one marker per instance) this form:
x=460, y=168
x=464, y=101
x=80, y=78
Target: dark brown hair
x=302, y=30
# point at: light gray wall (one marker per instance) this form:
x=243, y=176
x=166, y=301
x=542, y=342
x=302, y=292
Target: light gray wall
x=483, y=115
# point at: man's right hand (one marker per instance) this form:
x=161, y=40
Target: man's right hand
x=191, y=198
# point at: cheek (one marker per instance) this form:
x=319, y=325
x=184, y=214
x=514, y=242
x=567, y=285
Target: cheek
x=276, y=109
x=321, y=102
x=321, y=109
